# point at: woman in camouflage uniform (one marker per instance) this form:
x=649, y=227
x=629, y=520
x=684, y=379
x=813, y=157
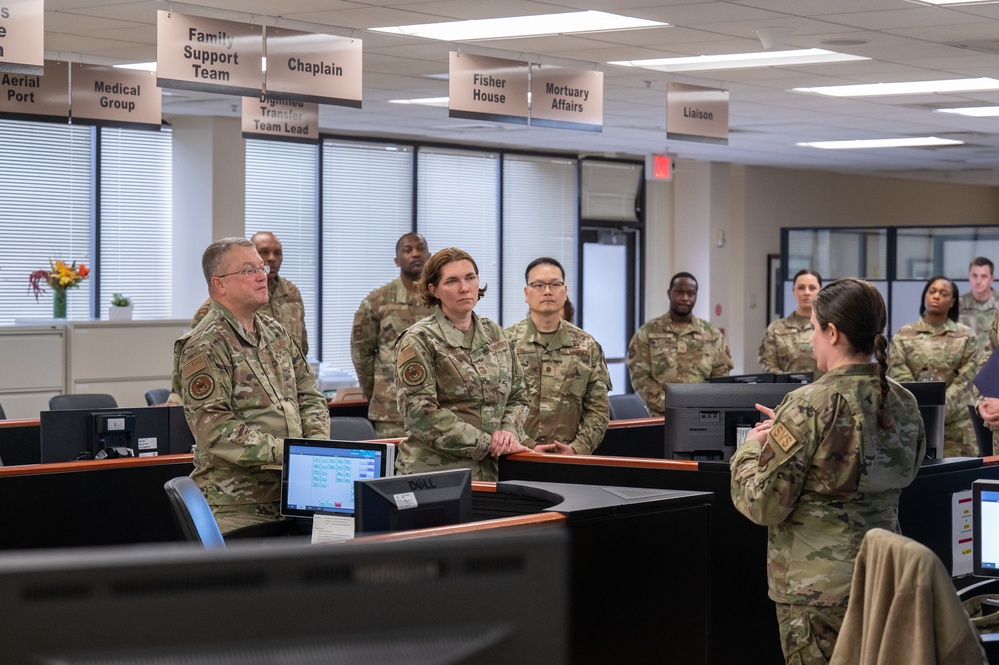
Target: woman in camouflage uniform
x=938, y=348
x=829, y=466
x=787, y=343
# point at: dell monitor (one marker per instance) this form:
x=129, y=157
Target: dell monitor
x=415, y=501
x=931, y=397
x=74, y=434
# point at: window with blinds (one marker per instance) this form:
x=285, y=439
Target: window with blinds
x=45, y=186
x=281, y=197
x=539, y=219
x=136, y=220
x=367, y=205
x=458, y=206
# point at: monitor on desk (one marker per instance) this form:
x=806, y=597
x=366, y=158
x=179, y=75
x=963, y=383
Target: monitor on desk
x=706, y=421
x=414, y=501
x=985, y=521
x=318, y=476
x=759, y=377
x=931, y=397
x=85, y=433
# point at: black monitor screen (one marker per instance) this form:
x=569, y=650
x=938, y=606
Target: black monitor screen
x=415, y=501
x=760, y=377
x=82, y=433
x=318, y=476
x=931, y=397
x=985, y=519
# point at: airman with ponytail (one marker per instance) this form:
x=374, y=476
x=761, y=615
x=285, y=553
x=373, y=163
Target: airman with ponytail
x=827, y=466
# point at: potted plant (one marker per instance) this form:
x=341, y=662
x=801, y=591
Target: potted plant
x=121, y=308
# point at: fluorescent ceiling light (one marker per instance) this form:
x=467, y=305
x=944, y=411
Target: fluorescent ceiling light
x=974, y=111
x=522, y=26
x=905, y=88
x=952, y=2
x=808, y=56
x=880, y=143
x=144, y=66
x=425, y=101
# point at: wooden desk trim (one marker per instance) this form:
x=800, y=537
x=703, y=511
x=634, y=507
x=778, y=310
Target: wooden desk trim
x=346, y=403
x=539, y=519
x=22, y=422
x=599, y=460
x=991, y=460
x=637, y=422
x=91, y=465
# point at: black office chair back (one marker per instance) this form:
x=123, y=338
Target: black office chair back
x=982, y=432
x=82, y=401
x=157, y=396
x=191, y=513
x=627, y=407
x=351, y=428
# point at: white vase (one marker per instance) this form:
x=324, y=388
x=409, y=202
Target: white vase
x=116, y=313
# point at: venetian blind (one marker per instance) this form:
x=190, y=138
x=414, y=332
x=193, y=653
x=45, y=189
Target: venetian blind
x=367, y=206
x=281, y=197
x=45, y=186
x=136, y=220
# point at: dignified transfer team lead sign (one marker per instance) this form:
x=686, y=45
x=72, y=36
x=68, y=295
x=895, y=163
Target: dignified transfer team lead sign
x=22, y=36
x=196, y=53
x=282, y=120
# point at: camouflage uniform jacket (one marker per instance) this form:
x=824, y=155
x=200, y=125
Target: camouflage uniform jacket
x=284, y=305
x=663, y=352
x=787, y=347
x=920, y=352
x=826, y=474
x=454, y=396
x=567, y=384
x=978, y=315
x=243, y=393
x=383, y=315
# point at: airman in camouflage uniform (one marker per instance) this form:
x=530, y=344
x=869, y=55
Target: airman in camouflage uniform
x=787, y=346
x=284, y=303
x=564, y=369
x=825, y=475
x=979, y=305
x=244, y=389
x=383, y=315
x=677, y=347
x=991, y=404
x=922, y=352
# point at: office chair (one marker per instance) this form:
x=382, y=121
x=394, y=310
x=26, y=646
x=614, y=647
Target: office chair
x=627, y=407
x=82, y=401
x=157, y=396
x=351, y=428
x=983, y=434
x=191, y=513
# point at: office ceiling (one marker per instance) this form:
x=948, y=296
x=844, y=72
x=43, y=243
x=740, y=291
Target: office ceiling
x=906, y=41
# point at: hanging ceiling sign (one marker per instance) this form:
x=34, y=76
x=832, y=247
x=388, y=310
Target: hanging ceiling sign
x=210, y=55
x=695, y=113
x=115, y=97
x=310, y=67
x=280, y=120
x=32, y=97
x=567, y=99
x=22, y=36
x=484, y=88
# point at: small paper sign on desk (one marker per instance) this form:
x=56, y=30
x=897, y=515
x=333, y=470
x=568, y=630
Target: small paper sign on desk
x=331, y=528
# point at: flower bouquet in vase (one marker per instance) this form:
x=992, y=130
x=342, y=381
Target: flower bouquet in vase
x=60, y=277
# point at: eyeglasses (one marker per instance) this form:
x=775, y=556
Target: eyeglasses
x=541, y=286
x=248, y=272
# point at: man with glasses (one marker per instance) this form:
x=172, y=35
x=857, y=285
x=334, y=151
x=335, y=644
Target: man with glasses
x=285, y=300
x=564, y=367
x=378, y=322
x=676, y=347
x=245, y=386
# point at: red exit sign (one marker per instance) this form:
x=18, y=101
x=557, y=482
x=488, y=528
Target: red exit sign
x=662, y=167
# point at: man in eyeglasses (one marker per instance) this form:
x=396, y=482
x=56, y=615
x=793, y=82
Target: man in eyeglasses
x=564, y=367
x=285, y=300
x=676, y=347
x=245, y=386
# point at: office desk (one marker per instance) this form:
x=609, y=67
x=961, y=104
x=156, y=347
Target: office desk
x=637, y=437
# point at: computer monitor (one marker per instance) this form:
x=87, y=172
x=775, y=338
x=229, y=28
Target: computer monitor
x=985, y=523
x=451, y=599
x=706, y=421
x=759, y=377
x=318, y=476
x=74, y=434
x=414, y=501
x=794, y=377
x=931, y=397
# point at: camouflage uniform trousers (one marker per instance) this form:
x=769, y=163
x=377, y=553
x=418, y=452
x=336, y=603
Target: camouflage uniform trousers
x=389, y=430
x=808, y=632
x=230, y=518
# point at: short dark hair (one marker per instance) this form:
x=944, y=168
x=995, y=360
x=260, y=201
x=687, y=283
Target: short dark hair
x=981, y=261
x=955, y=309
x=681, y=275
x=398, y=243
x=543, y=261
x=806, y=271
